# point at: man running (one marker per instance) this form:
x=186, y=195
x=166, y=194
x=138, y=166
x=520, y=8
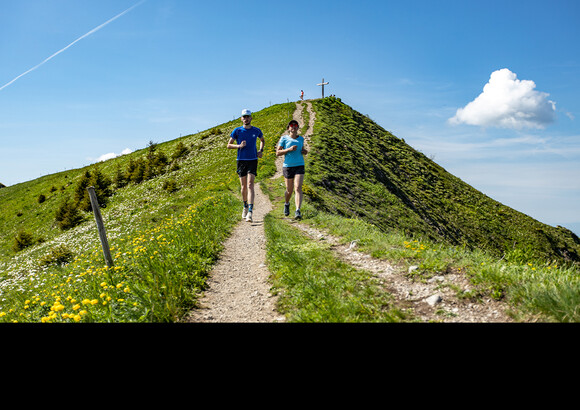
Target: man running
x=244, y=140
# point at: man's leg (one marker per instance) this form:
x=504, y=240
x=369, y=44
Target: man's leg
x=244, y=187
x=251, y=178
x=244, y=191
x=250, y=191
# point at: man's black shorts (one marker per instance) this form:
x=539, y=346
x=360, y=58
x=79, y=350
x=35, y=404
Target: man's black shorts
x=245, y=166
x=290, y=172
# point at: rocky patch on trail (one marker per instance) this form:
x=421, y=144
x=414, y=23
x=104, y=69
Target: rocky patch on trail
x=431, y=300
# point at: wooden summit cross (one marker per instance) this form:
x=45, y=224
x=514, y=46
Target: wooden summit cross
x=323, y=84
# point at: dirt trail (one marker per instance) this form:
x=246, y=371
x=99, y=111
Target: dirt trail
x=239, y=289
x=239, y=285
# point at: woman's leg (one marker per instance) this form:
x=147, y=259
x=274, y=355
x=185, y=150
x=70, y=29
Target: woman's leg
x=289, y=189
x=298, y=180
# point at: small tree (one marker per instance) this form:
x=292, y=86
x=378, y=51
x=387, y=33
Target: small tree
x=180, y=151
x=102, y=186
x=68, y=215
x=136, y=171
x=81, y=196
x=120, y=179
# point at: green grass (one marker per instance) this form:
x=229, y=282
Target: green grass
x=164, y=241
x=533, y=290
x=358, y=169
x=395, y=203
x=532, y=278
x=313, y=284
x=317, y=287
x=155, y=276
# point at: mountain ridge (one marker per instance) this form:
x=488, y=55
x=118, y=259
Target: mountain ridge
x=168, y=224
x=358, y=168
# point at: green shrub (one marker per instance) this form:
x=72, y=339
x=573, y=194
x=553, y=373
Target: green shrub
x=23, y=240
x=170, y=185
x=59, y=255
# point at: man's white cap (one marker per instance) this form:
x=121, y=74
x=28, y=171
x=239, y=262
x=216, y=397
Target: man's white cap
x=246, y=112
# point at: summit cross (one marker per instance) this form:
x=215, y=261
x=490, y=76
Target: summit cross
x=323, y=84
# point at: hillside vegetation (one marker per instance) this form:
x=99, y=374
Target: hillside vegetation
x=167, y=209
x=368, y=187
x=358, y=169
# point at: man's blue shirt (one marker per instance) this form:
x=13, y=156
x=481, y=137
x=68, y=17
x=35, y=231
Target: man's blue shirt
x=250, y=151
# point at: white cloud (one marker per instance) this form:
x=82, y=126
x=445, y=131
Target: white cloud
x=111, y=155
x=507, y=102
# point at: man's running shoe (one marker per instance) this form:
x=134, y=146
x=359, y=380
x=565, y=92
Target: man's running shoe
x=245, y=212
x=286, y=209
x=297, y=214
x=249, y=217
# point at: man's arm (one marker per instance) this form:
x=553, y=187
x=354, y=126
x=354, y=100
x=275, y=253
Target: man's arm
x=232, y=145
x=261, y=151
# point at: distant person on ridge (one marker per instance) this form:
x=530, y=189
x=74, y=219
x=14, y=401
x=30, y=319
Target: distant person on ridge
x=292, y=147
x=301, y=94
x=244, y=140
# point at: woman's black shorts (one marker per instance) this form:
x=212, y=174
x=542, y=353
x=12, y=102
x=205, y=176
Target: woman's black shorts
x=245, y=166
x=290, y=172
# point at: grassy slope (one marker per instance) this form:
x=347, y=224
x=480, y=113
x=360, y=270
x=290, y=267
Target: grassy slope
x=209, y=164
x=206, y=178
x=444, y=211
x=394, y=216
x=356, y=168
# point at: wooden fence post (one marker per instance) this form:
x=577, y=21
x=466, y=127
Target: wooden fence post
x=100, y=226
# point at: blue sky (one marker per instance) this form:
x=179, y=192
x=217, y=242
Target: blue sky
x=488, y=89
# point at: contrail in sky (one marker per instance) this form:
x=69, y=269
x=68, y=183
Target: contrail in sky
x=74, y=42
